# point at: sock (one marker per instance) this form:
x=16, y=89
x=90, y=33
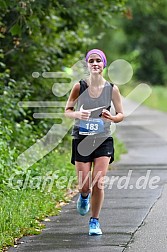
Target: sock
x=94, y=218
x=84, y=197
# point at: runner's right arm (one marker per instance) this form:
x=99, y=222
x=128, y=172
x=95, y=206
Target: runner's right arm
x=69, y=109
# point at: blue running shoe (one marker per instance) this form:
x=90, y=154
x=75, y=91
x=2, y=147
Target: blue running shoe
x=83, y=205
x=94, y=227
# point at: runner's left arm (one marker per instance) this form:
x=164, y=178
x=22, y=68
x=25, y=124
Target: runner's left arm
x=117, y=102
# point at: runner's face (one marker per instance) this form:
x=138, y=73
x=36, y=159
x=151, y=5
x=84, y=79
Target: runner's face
x=95, y=64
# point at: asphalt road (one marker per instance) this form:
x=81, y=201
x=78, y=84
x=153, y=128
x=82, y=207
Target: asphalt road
x=133, y=218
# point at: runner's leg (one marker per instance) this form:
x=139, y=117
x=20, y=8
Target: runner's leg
x=99, y=171
x=84, y=177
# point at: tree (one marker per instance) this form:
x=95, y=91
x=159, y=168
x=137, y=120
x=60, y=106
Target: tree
x=49, y=34
x=145, y=29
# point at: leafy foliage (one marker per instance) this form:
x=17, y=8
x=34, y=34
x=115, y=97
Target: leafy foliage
x=145, y=30
x=139, y=37
x=149, y=27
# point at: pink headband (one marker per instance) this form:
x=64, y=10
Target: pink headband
x=100, y=53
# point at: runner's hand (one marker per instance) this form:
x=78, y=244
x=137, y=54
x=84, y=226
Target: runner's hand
x=107, y=115
x=83, y=114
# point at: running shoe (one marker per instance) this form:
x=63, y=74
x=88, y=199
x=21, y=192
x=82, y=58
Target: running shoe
x=83, y=205
x=94, y=227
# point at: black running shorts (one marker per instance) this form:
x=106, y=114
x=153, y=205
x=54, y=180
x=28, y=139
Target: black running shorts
x=106, y=148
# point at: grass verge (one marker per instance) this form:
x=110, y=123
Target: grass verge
x=119, y=147
x=157, y=99
x=28, y=197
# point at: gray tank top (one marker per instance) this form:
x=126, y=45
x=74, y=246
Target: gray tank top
x=85, y=101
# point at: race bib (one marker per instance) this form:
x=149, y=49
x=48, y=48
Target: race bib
x=91, y=127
